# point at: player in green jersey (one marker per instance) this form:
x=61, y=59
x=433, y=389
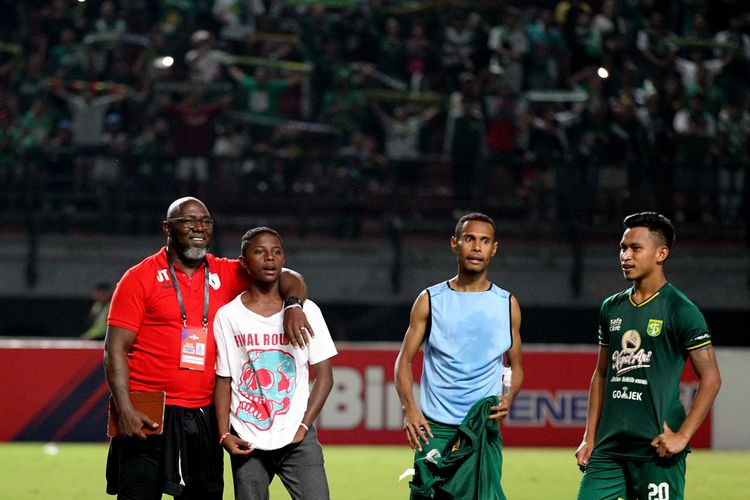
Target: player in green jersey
x=637, y=432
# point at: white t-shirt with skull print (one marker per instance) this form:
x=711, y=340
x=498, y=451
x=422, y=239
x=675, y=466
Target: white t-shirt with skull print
x=270, y=377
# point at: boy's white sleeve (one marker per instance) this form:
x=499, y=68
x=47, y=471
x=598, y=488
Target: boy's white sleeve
x=222, y=355
x=321, y=345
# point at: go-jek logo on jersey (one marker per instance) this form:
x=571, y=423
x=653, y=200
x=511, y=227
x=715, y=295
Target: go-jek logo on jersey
x=624, y=393
x=631, y=356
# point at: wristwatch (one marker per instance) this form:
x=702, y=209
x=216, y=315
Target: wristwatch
x=292, y=302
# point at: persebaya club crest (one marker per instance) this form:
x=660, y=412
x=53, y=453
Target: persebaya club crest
x=654, y=327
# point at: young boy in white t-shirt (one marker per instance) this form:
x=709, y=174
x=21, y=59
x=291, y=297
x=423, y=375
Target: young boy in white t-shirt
x=264, y=407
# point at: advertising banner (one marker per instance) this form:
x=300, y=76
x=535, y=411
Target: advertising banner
x=55, y=391
x=550, y=410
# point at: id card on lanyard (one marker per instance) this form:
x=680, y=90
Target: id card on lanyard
x=193, y=338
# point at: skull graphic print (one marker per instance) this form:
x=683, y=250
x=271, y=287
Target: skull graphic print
x=267, y=385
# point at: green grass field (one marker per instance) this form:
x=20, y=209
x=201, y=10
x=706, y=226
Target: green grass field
x=76, y=471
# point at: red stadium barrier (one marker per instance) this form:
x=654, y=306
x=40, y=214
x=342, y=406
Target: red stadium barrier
x=55, y=391
x=550, y=410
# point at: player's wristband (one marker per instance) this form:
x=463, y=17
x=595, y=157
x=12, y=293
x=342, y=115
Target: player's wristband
x=304, y=426
x=223, y=437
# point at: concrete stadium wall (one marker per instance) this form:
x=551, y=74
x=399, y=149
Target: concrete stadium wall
x=732, y=406
x=359, y=272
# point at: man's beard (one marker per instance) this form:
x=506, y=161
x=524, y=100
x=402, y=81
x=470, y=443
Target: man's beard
x=193, y=253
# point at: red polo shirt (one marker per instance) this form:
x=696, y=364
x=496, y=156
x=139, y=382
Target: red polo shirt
x=145, y=302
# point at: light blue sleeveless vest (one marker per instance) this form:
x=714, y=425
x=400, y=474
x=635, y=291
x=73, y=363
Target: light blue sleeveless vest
x=467, y=335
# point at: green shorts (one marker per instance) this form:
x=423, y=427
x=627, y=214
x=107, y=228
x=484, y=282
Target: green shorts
x=609, y=478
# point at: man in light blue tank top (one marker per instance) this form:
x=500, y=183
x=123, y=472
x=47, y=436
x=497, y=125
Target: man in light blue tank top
x=467, y=325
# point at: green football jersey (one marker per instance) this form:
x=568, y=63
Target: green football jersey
x=648, y=345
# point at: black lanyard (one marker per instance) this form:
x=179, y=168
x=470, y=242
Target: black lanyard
x=176, y=287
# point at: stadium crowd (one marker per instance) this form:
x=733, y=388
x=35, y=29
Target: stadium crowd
x=540, y=111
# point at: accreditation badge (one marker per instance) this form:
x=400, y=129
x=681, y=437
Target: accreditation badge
x=193, y=348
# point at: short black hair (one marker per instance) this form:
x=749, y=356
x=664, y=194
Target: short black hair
x=252, y=233
x=474, y=216
x=655, y=222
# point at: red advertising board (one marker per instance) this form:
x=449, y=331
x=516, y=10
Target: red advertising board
x=550, y=410
x=55, y=391
x=52, y=391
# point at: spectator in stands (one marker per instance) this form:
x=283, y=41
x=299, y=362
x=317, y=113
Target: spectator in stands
x=228, y=149
x=548, y=159
x=420, y=58
x=60, y=16
x=566, y=15
x=366, y=168
x=109, y=21
x=689, y=69
x=317, y=27
x=327, y=67
x=263, y=95
x=154, y=155
x=204, y=62
x=34, y=128
x=460, y=41
x=712, y=94
x=392, y=58
x=695, y=176
x=29, y=81
x=733, y=47
x=401, y=144
x=627, y=146
x=655, y=189
x=509, y=45
x=613, y=29
x=176, y=17
x=657, y=47
x=88, y=111
x=733, y=129
x=470, y=88
x=57, y=174
x=68, y=57
x=194, y=133
x=698, y=37
x=357, y=33
x=597, y=160
x=238, y=18
x=344, y=105
x=160, y=338
x=112, y=162
x=467, y=150
x=546, y=47
x=96, y=320
x=586, y=45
